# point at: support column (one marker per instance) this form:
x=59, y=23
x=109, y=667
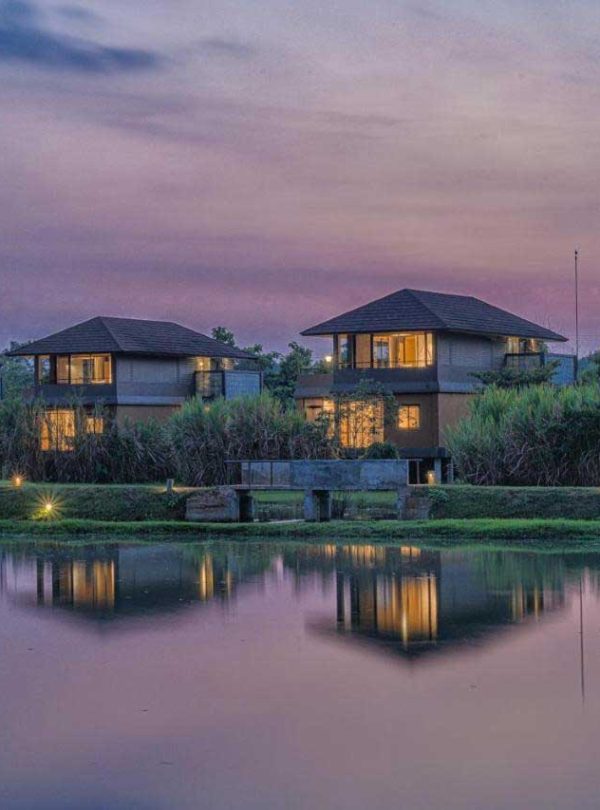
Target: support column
x=401, y=502
x=246, y=506
x=437, y=469
x=317, y=505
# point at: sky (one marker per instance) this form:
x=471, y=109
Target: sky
x=268, y=164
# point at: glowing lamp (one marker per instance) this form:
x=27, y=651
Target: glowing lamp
x=430, y=477
x=328, y=358
x=17, y=481
x=48, y=507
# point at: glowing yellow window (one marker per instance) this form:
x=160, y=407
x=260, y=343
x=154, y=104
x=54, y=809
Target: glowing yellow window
x=409, y=417
x=57, y=430
x=361, y=423
x=94, y=424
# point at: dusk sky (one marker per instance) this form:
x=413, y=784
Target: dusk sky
x=267, y=165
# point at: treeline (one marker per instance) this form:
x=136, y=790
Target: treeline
x=537, y=435
x=193, y=446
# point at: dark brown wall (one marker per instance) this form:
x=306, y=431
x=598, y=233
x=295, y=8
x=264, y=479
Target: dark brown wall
x=143, y=413
x=451, y=409
x=427, y=435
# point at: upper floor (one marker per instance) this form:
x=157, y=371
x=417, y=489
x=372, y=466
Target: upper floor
x=121, y=361
x=414, y=340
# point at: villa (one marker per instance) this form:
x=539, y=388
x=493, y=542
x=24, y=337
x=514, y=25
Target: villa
x=135, y=369
x=419, y=349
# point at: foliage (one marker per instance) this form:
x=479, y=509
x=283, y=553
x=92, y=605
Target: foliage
x=204, y=437
x=590, y=368
x=381, y=450
x=223, y=335
x=16, y=373
x=124, y=452
x=518, y=378
x=540, y=435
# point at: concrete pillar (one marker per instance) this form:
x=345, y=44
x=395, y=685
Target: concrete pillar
x=246, y=505
x=401, y=499
x=317, y=505
x=437, y=469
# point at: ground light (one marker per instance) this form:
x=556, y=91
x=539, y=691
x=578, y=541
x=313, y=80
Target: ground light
x=48, y=507
x=17, y=481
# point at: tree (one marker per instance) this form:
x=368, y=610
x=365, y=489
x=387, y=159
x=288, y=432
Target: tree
x=16, y=373
x=223, y=335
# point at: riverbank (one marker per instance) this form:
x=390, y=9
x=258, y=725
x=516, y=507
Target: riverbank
x=521, y=531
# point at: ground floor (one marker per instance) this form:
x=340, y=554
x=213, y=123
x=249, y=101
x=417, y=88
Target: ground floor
x=415, y=423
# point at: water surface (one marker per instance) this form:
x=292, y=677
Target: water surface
x=259, y=676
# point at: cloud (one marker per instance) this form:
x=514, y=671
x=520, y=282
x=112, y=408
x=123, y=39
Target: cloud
x=217, y=46
x=24, y=39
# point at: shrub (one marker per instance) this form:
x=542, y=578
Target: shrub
x=541, y=435
x=204, y=437
x=381, y=450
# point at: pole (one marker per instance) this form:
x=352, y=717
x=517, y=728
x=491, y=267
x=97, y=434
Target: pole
x=576, y=313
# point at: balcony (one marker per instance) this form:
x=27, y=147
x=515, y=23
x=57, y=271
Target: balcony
x=524, y=361
x=210, y=385
x=62, y=394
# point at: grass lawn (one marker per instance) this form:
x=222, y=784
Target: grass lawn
x=566, y=533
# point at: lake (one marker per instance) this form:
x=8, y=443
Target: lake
x=259, y=676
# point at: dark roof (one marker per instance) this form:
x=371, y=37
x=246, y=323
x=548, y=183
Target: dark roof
x=409, y=310
x=131, y=336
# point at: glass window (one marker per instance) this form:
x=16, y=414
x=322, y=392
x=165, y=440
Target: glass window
x=409, y=417
x=381, y=351
x=94, y=424
x=403, y=350
x=44, y=368
x=57, y=430
x=62, y=369
x=345, y=351
x=90, y=368
x=361, y=423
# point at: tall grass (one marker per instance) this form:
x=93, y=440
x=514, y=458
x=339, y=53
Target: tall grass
x=540, y=435
x=205, y=438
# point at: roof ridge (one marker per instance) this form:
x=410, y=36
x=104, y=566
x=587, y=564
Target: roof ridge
x=103, y=319
x=416, y=296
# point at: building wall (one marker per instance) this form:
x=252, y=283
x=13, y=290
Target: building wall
x=144, y=413
x=427, y=434
x=451, y=409
x=154, y=381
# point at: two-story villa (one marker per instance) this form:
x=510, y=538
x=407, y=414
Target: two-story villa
x=422, y=348
x=137, y=369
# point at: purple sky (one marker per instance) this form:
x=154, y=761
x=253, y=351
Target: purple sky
x=266, y=165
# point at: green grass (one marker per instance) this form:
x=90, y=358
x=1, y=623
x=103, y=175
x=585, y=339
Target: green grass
x=133, y=503
x=515, y=530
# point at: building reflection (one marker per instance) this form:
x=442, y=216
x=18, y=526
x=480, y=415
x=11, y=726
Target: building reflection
x=412, y=601
x=111, y=581
x=400, y=599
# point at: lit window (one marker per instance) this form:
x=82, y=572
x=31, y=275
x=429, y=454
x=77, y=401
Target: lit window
x=94, y=424
x=57, y=430
x=83, y=369
x=409, y=417
x=403, y=350
x=361, y=423
x=90, y=368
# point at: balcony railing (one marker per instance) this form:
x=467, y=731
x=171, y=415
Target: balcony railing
x=524, y=361
x=389, y=363
x=229, y=384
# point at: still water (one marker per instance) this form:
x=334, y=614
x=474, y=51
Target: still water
x=263, y=676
